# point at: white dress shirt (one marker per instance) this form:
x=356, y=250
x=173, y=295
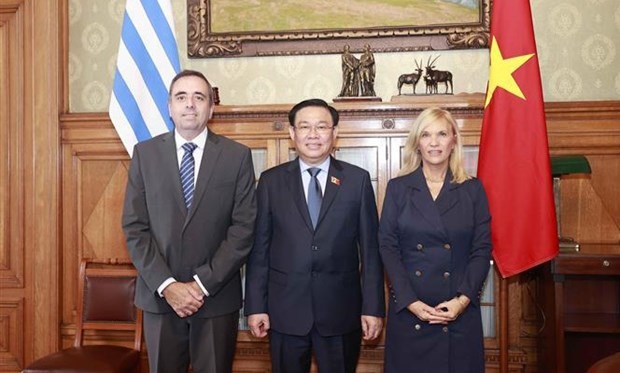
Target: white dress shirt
x=321, y=176
x=200, y=142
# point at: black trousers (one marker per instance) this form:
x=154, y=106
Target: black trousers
x=334, y=354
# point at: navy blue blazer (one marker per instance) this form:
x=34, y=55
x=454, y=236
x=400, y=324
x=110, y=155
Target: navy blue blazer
x=433, y=251
x=326, y=277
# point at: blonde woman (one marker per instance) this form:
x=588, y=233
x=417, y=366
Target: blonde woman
x=435, y=243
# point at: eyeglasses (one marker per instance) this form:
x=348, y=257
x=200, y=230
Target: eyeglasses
x=320, y=129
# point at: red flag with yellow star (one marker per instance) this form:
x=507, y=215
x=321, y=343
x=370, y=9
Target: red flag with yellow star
x=514, y=161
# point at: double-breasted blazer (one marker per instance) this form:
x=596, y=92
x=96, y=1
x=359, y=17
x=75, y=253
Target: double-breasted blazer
x=325, y=277
x=211, y=240
x=434, y=250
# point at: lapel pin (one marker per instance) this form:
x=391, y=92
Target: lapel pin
x=335, y=180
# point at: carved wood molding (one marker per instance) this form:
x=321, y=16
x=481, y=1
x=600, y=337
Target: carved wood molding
x=12, y=133
x=11, y=334
x=585, y=127
x=515, y=357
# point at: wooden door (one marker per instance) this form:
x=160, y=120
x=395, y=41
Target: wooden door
x=30, y=79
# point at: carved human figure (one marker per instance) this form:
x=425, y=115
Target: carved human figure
x=350, y=74
x=367, y=72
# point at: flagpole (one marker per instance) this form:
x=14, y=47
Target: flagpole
x=503, y=325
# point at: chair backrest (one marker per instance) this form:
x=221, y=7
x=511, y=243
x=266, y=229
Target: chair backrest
x=610, y=364
x=105, y=299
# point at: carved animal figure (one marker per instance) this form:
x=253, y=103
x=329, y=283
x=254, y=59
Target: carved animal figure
x=439, y=76
x=431, y=85
x=412, y=78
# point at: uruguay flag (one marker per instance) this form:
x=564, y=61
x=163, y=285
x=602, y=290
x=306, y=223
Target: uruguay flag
x=147, y=61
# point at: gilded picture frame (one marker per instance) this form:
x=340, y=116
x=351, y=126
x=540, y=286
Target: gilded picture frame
x=221, y=28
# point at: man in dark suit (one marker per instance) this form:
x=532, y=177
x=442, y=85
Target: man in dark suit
x=189, y=221
x=314, y=276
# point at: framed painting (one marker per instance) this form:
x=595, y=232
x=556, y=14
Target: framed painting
x=224, y=28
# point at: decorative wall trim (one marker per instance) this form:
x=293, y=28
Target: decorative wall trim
x=11, y=334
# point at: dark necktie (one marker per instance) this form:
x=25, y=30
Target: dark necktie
x=187, y=173
x=314, y=195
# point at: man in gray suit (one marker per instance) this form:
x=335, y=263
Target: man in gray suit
x=189, y=222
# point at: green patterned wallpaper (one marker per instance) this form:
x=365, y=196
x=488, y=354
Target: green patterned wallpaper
x=578, y=43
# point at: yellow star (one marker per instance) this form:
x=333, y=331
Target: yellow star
x=500, y=74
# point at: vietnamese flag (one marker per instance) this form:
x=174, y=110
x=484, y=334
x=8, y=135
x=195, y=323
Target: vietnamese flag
x=514, y=161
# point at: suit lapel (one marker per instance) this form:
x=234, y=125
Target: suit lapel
x=332, y=186
x=209, y=160
x=422, y=200
x=447, y=198
x=297, y=191
x=170, y=168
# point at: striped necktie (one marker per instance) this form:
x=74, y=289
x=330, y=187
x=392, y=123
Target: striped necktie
x=187, y=173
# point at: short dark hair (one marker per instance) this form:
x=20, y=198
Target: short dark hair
x=197, y=74
x=312, y=102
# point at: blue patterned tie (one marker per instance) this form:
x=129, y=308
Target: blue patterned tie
x=187, y=173
x=314, y=195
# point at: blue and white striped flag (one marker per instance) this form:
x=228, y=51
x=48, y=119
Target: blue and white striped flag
x=148, y=59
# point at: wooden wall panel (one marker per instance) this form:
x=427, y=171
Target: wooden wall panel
x=590, y=203
x=12, y=253
x=11, y=136
x=94, y=175
x=604, y=169
x=11, y=333
x=102, y=188
x=43, y=75
x=587, y=212
x=29, y=180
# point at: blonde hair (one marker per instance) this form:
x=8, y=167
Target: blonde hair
x=411, y=156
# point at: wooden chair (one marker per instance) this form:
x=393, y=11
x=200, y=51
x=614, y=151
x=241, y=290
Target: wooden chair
x=610, y=364
x=105, y=304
